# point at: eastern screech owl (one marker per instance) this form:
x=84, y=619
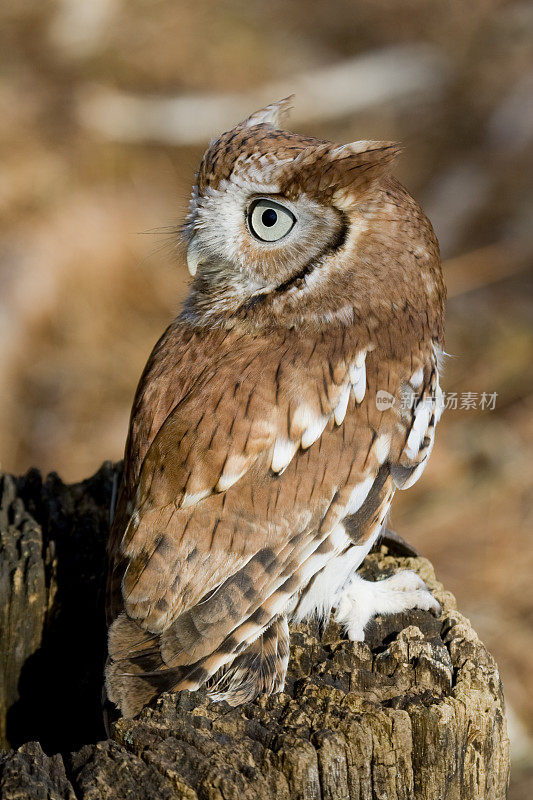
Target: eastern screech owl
x=261, y=459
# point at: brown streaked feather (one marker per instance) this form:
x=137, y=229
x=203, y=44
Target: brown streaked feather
x=261, y=667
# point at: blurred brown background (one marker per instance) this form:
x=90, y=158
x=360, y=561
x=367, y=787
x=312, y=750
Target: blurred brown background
x=105, y=109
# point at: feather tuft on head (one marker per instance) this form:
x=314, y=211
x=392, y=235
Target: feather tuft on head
x=331, y=171
x=274, y=114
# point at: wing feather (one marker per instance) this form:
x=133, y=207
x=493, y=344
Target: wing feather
x=423, y=401
x=240, y=462
x=174, y=522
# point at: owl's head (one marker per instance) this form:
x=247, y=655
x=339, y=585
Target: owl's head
x=290, y=228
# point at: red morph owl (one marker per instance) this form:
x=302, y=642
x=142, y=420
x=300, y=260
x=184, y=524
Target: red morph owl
x=276, y=416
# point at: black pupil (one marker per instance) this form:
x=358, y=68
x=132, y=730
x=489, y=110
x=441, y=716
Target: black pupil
x=269, y=217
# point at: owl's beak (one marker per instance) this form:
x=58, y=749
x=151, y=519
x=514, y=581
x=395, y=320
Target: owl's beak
x=193, y=256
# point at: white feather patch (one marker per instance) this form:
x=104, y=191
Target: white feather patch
x=354, y=373
x=314, y=431
x=233, y=471
x=418, y=429
x=324, y=591
x=360, y=359
x=416, y=378
x=412, y=479
x=340, y=409
x=428, y=410
x=193, y=498
x=355, y=368
x=359, y=495
x=359, y=387
x=303, y=417
x=381, y=448
x=284, y=450
x=316, y=561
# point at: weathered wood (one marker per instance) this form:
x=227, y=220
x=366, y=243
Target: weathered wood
x=52, y=574
x=23, y=593
x=416, y=711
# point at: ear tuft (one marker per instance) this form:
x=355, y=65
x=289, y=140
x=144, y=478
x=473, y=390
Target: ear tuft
x=273, y=115
x=345, y=171
x=374, y=154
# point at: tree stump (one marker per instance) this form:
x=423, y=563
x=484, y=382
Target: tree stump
x=417, y=711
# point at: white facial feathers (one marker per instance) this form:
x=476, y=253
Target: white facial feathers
x=220, y=231
x=194, y=256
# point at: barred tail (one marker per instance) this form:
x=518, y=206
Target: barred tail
x=260, y=668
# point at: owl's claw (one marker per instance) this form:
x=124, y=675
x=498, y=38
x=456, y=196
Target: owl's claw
x=362, y=600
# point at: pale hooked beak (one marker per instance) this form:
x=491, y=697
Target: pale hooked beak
x=193, y=256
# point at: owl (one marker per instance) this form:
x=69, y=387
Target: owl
x=276, y=416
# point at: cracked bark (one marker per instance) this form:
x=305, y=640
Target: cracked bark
x=416, y=711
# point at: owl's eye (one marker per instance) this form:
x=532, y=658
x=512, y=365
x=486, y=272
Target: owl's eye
x=269, y=221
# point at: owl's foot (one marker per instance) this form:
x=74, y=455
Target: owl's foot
x=362, y=600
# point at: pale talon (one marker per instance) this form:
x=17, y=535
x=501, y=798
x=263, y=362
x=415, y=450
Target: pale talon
x=362, y=600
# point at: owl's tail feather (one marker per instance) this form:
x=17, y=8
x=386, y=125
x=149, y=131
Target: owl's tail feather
x=141, y=668
x=134, y=681
x=260, y=668
x=253, y=652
